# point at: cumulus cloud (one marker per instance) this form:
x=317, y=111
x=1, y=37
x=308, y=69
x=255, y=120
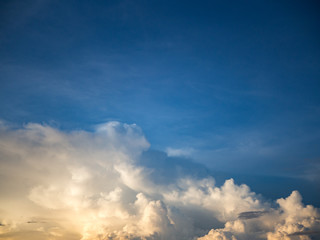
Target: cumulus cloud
x=92, y=185
x=291, y=220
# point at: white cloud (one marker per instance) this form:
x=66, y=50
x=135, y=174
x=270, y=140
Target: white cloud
x=179, y=152
x=292, y=220
x=88, y=185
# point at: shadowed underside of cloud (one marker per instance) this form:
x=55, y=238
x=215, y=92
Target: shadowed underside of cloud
x=311, y=233
x=252, y=214
x=99, y=185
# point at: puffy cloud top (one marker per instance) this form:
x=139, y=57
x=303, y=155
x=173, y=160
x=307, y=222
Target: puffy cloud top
x=90, y=185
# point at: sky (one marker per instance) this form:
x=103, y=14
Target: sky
x=159, y=119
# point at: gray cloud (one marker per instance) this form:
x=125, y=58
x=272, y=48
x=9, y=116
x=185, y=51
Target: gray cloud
x=252, y=214
x=305, y=233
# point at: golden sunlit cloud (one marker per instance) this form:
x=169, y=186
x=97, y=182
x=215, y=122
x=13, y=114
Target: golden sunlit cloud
x=88, y=185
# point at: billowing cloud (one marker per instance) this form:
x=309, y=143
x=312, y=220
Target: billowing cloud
x=291, y=220
x=92, y=185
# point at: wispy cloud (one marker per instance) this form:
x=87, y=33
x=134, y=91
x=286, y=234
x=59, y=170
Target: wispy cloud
x=251, y=214
x=179, y=152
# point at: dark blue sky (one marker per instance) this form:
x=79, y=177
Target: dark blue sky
x=231, y=84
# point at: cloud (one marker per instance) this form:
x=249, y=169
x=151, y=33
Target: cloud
x=305, y=233
x=179, y=152
x=251, y=214
x=292, y=220
x=99, y=185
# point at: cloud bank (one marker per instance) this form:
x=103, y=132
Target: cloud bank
x=91, y=185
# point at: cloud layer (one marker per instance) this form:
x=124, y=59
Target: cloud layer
x=91, y=185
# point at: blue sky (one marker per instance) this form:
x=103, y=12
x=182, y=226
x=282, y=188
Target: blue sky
x=231, y=85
